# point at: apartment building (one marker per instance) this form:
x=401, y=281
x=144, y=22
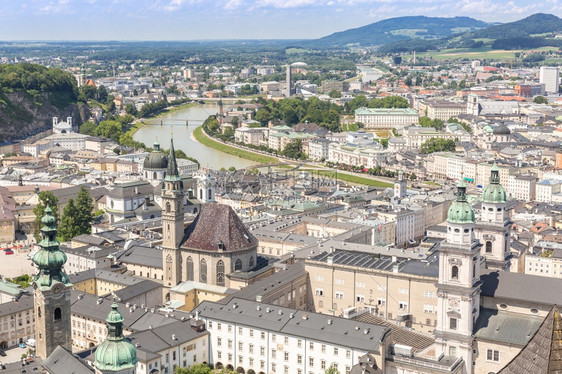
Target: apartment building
x=17, y=321
x=545, y=190
x=443, y=110
x=381, y=118
x=522, y=187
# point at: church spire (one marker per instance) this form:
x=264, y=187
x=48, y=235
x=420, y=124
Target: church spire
x=49, y=259
x=172, y=173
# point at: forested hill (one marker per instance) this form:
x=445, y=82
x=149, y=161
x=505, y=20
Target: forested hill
x=30, y=95
x=400, y=28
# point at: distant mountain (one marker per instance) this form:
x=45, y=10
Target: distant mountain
x=538, y=23
x=537, y=30
x=400, y=28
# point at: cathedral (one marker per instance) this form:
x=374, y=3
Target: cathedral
x=214, y=245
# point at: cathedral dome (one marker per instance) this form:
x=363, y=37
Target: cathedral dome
x=501, y=130
x=494, y=192
x=156, y=159
x=116, y=352
x=461, y=211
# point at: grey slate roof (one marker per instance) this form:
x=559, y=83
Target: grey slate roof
x=157, y=339
x=308, y=325
x=498, y=326
x=523, y=287
x=60, y=361
x=25, y=302
x=543, y=353
x=140, y=255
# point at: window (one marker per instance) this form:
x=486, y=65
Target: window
x=262, y=351
x=339, y=281
x=189, y=268
x=39, y=311
x=220, y=273
x=403, y=291
x=240, y=346
x=311, y=361
x=453, y=323
x=251, y=348
x=428, y=294
x=427, y=309
x=219, y=326
x=299, y=359
x=319, y=292
x=273, y=368
x=240, y=330
x=286, y=340
x=240, y=359
x=203, y=271
x=493, y=355
x=455, y=272
x=336, y=351
x=339, y=295
x=58, y=314
x=322, y=364
x=348, y=354
x=229, y=343
x=299, y=343
x=286, y=356
x=381, y=301
x=273, y=353
x=251, y=264
x=263, y=335
x=323, y=349
x=311, y=346
x=238, y=265
x=452, y=351
x=360, y=298
x=403, y=305
x=360, y=284
x=488, y=247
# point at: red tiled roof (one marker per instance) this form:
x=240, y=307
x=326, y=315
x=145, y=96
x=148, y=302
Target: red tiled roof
x=217, y=223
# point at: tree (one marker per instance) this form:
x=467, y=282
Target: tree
x=69, y=227
x=102, y=94
x=195, y=369
x=334, y=94
x=109, y=129
x=331, y=370
x=131, y=109
x=540, y=100
x=85, y=211
x=88, y=128
x=46, y=198
x=294, y=150
x=437, y=145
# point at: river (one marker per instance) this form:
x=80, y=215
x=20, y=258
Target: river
x=183, y=138
x=368, y=73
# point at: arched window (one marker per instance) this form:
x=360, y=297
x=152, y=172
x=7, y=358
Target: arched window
x=154, y=176
x=488, y=247
x=168, y=207
x=200, y=194
x=189, y=268
x=210, y=197
x=220, y=273
x=203, y=271
x=238, y=265
x=39, y=311
x=455, y=272
x=58, y=314
x=251, y=262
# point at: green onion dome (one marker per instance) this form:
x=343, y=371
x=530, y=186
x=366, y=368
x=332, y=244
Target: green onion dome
x=461, y=211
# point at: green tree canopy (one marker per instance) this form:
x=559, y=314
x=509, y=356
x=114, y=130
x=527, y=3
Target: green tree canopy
x=46, y=198
x=85, y=211
x=437, y=145
x=88, y=128
x=109, y=129
x=540, y=100
x=69, y=227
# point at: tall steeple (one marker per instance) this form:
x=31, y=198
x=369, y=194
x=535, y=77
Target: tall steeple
x=51, y=291
x=172, y=220
x=116, y=354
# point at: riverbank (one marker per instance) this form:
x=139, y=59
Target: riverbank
x=168, y=110
x=355, y=179
x=207, y=141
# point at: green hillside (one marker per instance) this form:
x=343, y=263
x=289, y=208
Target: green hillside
x=400, y=28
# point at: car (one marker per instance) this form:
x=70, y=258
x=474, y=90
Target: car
x=2, y=353
x=22, y=345
x=8, y=251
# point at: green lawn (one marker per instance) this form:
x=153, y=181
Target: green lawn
x=242, y=153
x=350, y=178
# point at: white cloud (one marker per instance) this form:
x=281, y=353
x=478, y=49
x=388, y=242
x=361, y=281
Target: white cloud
x=285, y=3
x=233, y=4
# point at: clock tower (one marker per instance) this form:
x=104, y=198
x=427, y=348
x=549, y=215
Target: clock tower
x=51, y=291
x=458, y=288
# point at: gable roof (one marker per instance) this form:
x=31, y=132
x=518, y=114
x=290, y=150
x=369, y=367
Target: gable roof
x=217, y=223
x=60, y=361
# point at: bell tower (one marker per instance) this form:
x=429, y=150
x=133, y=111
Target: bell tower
x=51, y=288
x=172, y=221
x=458, y=288
x=494, y=227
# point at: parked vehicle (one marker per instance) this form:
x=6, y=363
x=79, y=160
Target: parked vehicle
x=8, y=251
x=22, y=345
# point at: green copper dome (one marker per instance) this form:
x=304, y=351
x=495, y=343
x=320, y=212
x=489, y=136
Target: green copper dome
x=460, y=211
x=49, y=259
x=116, y=352
x=494, y=192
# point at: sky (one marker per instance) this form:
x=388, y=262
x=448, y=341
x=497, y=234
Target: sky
x=232, y=19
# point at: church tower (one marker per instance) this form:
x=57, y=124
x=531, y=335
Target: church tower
x=51, y=292
x=172, y=221
x=205, y=186
x=400, y=186
x=458, y=288
x=495, y=225
x=116, y=354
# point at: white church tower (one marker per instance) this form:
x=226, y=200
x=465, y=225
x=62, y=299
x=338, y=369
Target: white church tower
x=400, y=186
x=205, y=186
x=458, y=288
x=494, y=226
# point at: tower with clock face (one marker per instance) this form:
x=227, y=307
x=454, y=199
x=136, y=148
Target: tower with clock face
x=458, y=288
x=52, y=292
